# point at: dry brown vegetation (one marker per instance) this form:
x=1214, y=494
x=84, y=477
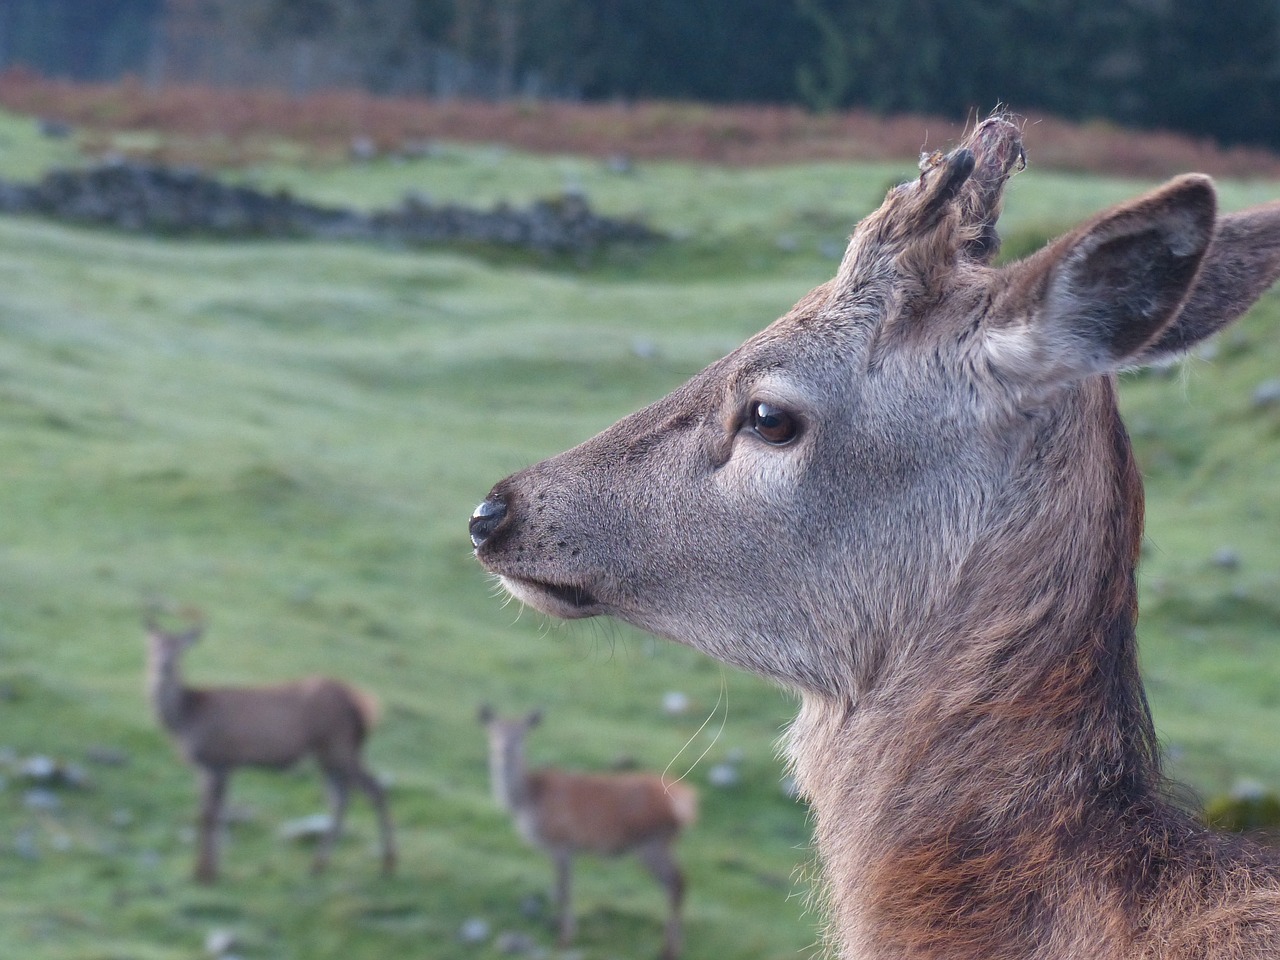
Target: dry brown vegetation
x=231, y=127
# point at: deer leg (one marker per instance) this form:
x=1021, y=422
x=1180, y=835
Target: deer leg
x=339, y=788
x=213, y=792
x=657, y=859
x=377, y=795
x=564, y=909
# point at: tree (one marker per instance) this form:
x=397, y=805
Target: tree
x=824, y=88
x=77, y=39
x=1217, y=71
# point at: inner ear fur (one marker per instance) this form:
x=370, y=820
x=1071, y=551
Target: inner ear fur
x=1241, y=263
x=1095, y=298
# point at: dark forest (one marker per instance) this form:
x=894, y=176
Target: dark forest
x=1173, y=64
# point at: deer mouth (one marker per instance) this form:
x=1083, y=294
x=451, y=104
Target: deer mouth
x=565, y=600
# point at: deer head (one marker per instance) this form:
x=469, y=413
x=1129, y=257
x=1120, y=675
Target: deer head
x=923, y=452
x=172, y=643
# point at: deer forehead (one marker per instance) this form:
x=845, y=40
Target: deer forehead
x=866, y=362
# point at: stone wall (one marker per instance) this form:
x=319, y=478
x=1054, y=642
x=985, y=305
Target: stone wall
x=143, y=198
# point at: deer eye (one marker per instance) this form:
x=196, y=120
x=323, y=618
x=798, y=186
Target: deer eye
x=772, y=424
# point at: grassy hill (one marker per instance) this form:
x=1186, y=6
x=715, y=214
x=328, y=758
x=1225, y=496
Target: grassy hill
x=291, y=437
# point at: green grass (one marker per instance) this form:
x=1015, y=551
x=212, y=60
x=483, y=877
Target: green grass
x=291, y=438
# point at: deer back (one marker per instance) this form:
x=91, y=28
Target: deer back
x=606, y=813
x=273, y=726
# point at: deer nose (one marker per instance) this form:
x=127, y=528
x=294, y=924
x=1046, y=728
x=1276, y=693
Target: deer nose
x=485, y=520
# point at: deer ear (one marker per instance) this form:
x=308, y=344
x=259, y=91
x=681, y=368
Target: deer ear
x=1094, y=300
x=1241, y=263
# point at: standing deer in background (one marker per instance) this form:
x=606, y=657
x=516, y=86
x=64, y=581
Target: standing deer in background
x=565, y=813
x=217, y=729
x=913, y=500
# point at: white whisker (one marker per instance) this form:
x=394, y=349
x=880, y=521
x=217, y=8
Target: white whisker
x=724, y=696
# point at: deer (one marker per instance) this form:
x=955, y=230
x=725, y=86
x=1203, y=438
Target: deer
x=912, y=500
x=219, y=729
x=565, y=813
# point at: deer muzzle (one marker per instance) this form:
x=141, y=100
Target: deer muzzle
x=526, y=573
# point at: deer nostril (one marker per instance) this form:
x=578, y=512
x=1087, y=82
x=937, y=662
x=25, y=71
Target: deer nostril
x=486, y=519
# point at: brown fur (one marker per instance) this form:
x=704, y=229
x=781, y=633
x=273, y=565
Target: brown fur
x=218, y=729
x=605, y=814
x=566, y=813
x=940, y=557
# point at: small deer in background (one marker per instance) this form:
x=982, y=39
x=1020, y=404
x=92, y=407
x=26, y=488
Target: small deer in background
x=217, y=729
x=565, y=813
x=913, y=500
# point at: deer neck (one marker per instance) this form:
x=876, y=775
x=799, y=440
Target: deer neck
x=165, y=688
x=953, y=795
x=508, y=775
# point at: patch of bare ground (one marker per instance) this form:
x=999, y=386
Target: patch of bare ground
x=219, y=127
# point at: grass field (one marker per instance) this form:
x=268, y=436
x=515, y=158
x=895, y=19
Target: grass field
x=291, y=437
